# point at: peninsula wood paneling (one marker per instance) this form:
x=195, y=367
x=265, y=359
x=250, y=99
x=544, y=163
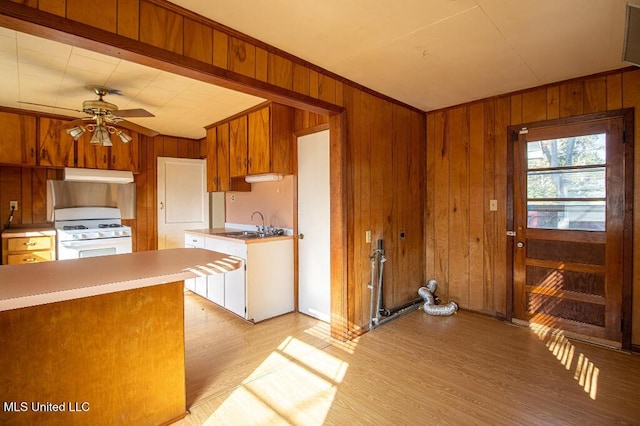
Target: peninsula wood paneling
x=466, y=250
x=85, y=12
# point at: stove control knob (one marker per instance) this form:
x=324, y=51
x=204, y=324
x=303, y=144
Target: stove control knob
x=100, y=234
x=74, y=236
x=83, y=236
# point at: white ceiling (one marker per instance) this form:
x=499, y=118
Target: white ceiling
x=426, y=53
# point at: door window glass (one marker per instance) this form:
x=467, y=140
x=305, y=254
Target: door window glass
x=566, y=183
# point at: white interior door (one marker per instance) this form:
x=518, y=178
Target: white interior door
x=314, y=279
x=183, y=200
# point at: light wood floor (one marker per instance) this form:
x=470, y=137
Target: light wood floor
x=417, y=369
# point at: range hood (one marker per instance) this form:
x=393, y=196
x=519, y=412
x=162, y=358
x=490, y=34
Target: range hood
x=72, y=174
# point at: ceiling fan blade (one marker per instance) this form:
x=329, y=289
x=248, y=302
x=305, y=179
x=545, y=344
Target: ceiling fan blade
x=48, y=106
x=137, y=112
x=137, y=128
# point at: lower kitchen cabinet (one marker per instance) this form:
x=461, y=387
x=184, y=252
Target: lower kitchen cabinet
x=263, y=288
x=196, y=285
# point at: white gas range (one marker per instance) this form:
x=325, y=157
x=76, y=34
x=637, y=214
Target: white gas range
x=90, y=231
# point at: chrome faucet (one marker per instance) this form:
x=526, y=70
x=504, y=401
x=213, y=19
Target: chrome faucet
x=260, y=229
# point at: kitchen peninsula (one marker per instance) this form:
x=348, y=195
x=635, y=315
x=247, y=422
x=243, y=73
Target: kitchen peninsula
x=98, y=340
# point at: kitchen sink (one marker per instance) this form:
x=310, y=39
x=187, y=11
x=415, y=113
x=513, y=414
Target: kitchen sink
x=244, y=235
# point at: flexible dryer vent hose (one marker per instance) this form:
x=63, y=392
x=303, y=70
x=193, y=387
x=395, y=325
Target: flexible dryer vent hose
x=430, y=306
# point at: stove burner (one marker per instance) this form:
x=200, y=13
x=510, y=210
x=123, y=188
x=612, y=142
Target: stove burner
x=72, y=227
x=109, y=225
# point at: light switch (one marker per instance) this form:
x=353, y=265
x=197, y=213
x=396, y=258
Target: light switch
x=493, y=205
x=367, y=236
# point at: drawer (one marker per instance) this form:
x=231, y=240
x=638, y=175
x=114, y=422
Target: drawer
x=192, y=240
x=33, y=257
x=29, y=243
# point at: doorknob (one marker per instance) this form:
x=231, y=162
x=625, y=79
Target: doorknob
x=301, y=236
x=520, y=244
x=161, y=205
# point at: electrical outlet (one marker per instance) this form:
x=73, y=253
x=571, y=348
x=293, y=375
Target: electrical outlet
x=13, y=205
x=232, y=197
x=493, y=205
x=367, y=236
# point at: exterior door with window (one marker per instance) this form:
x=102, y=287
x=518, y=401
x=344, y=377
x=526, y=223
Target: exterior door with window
x=569, y=205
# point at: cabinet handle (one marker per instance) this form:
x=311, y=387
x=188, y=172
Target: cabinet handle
x=29, y=243
x=30, y=259
x=44, y=153
x=113, y=159
x=32, y=152
x=104, y=158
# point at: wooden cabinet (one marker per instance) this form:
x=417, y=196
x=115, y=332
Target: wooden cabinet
x=120, y=156
x=28, y=247
x=218, y=177
x=270, y=140
x=55, y=146
x=262, y=141
x=17, y=139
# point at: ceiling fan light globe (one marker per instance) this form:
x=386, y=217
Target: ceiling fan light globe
x=101, y=136
x=76, y=132
x=125, y=138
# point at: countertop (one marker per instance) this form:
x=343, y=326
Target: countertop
x=215, y=232
x=47, y=282
x=29, y=231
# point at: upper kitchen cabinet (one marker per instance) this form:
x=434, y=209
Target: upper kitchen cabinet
x=270, y=140
x=120, y=156
x=55, y=146
x=218, y=161
x=17, y=139
x=261, y=141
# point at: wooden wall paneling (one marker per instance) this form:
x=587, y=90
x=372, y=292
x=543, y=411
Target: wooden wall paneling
x=129, y=18
x=353, y=105
x=85, y=12
x=326, y=88
x=441, y=202
x=503, y=116
x=459, y=280
x=198, y=41
x=516, y=108
x=387, y=169
x=571, y=98
x=614, y=91
x=313, y=84
x=553, y=102
x=534, y=105
x=161, y=27
x=491, y=222
x=280, y=71
x=262, y=64
x=595, y=95
x=26, y=199
x=380, y=154
x=220, y=49
x=39, y=192
x=429, y=207
x=142, y=197
x=339, y=89
x=362, y=214
x=158, y=151
x=170, y=146
x=10, y=189
x=415, y=209
x=478, y=207
x=242, y=57
x=300, y=79
x=631, y=99
x=56, y=7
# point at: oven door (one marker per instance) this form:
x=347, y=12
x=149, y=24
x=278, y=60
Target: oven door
x=92, y=248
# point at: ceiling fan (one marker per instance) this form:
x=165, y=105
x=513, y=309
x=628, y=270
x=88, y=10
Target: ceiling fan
x=104, y=120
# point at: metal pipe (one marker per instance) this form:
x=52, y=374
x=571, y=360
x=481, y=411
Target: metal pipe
x=430, y=307
x=371, y=287
x=381, y=260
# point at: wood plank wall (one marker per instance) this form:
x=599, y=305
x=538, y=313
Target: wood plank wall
x=384, y=138
x=466, y=244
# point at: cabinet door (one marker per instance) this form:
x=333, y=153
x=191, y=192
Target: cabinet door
x=90, y=155
x=125, y=156
x=259, y=142
x=222, y=150
x=238, y=158
x=17, y=139
x=55, y=146
x=212, y=159
x=215, y=288
x=234, y=292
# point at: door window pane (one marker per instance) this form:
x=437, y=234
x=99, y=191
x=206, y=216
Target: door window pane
x=574, y=215
x=573, y=183
x=567, y=152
